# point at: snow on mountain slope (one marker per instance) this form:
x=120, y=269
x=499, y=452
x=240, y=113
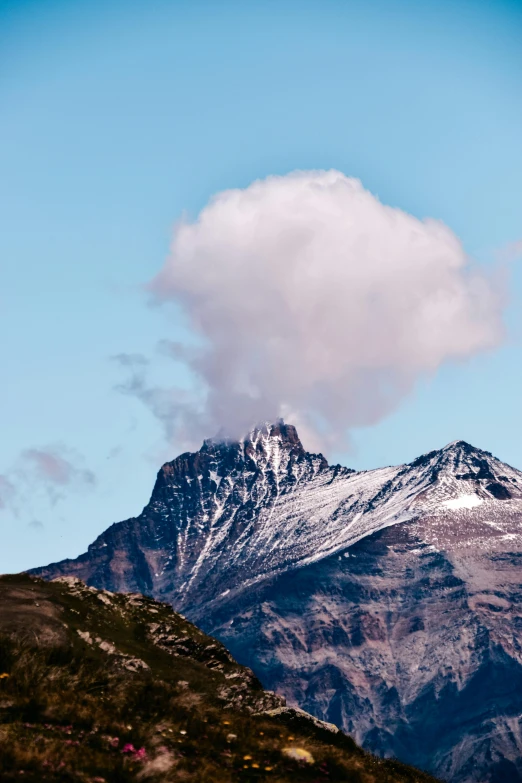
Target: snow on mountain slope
x=236, y=512
x=280, y=507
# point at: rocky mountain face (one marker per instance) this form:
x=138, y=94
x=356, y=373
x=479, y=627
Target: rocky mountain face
x=388, y=602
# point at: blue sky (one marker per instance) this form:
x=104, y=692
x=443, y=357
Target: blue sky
x=116, y=118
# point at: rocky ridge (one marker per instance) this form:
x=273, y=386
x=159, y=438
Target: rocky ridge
x=97, y=687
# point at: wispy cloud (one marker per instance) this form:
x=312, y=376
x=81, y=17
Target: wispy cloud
x=53, y=467
x=173, y=407
x=44, y=472
x=132, y=360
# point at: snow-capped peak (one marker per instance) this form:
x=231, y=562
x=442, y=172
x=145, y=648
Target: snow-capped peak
x=460, y=462
x=457, y=443
x=264, y=503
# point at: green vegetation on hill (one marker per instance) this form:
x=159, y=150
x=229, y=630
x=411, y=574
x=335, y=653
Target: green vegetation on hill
x=107, y=688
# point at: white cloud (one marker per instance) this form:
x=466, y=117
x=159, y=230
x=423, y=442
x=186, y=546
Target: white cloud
x=318, y=303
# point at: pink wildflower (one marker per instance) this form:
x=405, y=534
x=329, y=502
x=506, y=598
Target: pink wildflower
x=137, y=755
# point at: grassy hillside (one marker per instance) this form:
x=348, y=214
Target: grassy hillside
x=106, y=688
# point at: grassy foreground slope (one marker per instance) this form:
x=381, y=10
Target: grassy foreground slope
x=111, y=688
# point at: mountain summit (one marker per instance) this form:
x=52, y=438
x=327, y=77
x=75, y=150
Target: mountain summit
x=386, y=601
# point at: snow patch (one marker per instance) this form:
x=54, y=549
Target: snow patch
x=463, y=501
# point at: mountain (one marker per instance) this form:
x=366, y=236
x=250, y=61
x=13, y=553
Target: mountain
x=388, y=602
x=97, y=687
